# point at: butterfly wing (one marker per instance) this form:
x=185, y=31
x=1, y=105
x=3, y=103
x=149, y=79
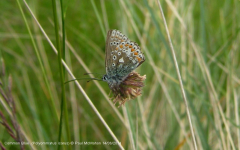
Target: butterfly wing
x=108, y=50
x=122, y=55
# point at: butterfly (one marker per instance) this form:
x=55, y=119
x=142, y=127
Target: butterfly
x=122, y=58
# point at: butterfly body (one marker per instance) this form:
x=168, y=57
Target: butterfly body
x=122, y=58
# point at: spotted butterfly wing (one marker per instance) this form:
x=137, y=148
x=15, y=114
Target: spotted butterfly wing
x=122, y=55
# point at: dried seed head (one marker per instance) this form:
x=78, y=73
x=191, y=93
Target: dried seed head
x=129, y=89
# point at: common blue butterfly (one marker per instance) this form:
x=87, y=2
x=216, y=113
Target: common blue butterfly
x=122, y=58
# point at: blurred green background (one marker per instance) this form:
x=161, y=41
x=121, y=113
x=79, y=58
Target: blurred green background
x=205, y=37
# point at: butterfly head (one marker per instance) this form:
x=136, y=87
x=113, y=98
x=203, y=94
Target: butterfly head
x=113, y=80
x=105, y=78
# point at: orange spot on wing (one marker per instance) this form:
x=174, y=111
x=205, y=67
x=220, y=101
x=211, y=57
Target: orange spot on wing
x=135, y=53
x=121, y=46
x=132, y=50
x=126, y=44
x=130, y=46
x=139, y=59
x=116, y=48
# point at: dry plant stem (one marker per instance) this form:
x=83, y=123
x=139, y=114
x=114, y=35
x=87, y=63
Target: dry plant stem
x=236, y=104
x=157, y=74
x=137, y=127
x=13, y=108
x=213, y=93
x=2, y=148
x=7, y=126
x=73, y=99
x=92, y=105
x=22, y=131
x=98, y=85
x=228, y=91
x=235, y=78
x=234, y=94
x=130, y=131
x=55, y=112
x=179, y=77
x=77, y=83
x=2, y=71
x=8, y=98
x=95, y=127
x=104, y=14
x=150, y=144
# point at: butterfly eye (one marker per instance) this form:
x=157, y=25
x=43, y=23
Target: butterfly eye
x=119, y=53
x=117, y=43
x=114, y=57
x=104, y=78
x=113, y=64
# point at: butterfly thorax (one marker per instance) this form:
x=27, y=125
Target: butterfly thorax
x=113, y=81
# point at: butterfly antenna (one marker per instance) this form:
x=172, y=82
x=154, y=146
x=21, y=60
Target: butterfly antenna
x=94, y=79
x=93, y=73
x=89, y=79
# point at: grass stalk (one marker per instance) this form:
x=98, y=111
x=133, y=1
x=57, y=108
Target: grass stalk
x=179, y=77
x=205, y=36
x=77, y=83
x=61, y=55
x=39, y=59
